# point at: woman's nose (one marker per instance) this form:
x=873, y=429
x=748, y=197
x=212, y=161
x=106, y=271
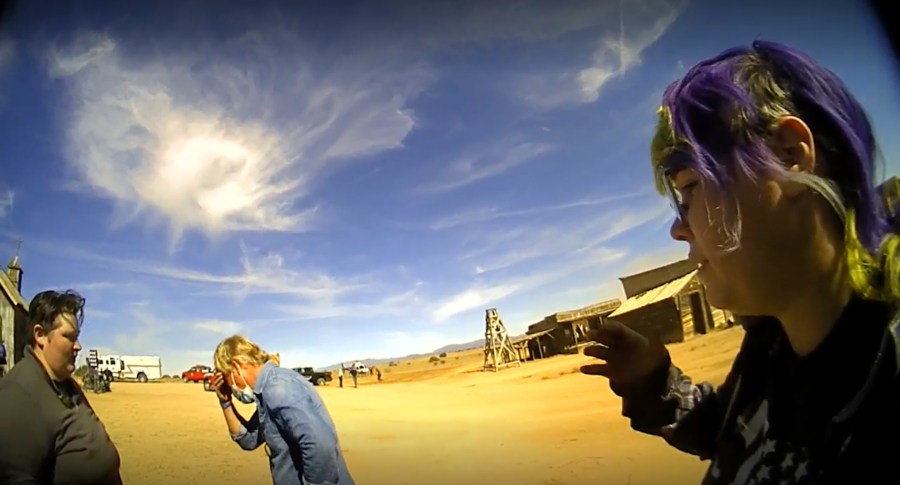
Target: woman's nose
x=680, y=231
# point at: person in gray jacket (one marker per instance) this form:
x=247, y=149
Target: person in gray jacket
x=50, y=432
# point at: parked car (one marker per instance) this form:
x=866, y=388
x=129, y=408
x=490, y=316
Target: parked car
x=196, y=373
x=361, y=368
x=317, y=378
x=207, y=382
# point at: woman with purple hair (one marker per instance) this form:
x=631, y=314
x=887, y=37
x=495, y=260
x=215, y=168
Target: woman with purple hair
x=769, y=162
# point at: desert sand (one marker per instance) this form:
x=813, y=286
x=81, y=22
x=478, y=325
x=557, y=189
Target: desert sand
x=540, y=423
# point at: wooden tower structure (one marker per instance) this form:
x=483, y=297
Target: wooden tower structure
x=498, y=349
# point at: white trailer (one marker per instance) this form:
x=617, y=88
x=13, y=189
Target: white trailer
x=139, y=367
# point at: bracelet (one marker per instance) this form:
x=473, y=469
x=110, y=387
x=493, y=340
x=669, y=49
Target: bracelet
x=225, y=404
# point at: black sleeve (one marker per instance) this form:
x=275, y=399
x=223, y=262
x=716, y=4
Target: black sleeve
x=687, y=415
x=690, y=416
x=26, y=439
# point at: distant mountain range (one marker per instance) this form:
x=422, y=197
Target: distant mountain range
x=475, y=344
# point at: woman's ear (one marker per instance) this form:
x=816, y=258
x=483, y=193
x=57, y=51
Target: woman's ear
x=793, y=144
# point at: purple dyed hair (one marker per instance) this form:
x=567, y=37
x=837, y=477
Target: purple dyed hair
x=717, y=119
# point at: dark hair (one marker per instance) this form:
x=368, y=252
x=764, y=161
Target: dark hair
x=46, y=306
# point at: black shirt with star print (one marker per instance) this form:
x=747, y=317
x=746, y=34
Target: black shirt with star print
x=830, y=417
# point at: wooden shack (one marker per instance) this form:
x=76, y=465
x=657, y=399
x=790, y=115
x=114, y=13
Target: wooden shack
x=890, y=195
x=563, y=332
x=668, y=303
x=13, y=314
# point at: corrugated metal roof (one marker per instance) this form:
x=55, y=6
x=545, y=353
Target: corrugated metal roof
x=660, y=293
x=638, y=283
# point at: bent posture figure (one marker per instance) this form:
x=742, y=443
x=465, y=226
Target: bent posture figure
x=768, y=161
x=290, y=417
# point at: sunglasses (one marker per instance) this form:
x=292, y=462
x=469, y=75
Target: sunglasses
x=672, y=194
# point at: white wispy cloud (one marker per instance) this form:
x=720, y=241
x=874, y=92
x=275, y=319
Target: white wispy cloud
x=145, y=332
x=261, y=274
x=7, y=198
x=8, y=49
x=618, y=50
x=225, y=138
x=571, y=237
x=442, y=23
x=92, y=313
x=398, y=304
x=474, y=297
x=8, y=55
x=534, y=255
x=483, y=294
x=483, y=161
x=313, y=294
x=674, y=251
x=492, y=213
x=222, y=328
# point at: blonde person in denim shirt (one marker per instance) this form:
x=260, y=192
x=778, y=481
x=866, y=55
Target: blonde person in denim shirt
x=290, y=417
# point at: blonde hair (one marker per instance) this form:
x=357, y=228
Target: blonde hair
x=238, y=348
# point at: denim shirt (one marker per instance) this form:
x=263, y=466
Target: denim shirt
x=292, y=420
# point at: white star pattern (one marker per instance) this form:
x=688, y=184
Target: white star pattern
x=801, y=471
x=788, y=461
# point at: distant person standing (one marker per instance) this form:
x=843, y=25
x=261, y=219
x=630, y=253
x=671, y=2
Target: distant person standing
x=2, y=358
x=48, y=431
x=378, y=374
x=290, y=417
x=353, y=373
x=341, y=376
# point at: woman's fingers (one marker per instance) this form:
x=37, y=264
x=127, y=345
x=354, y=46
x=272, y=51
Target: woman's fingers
x=596, y=370
x=597, y=351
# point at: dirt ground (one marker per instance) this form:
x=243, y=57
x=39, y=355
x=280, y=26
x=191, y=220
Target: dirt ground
x=445, y=423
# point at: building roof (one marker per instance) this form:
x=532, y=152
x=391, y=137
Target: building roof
x=11, y=292
x=602, y=308
x=638, y=283
x=549, y=322
x=660, y=293
x=531, y=336
x=890, y=193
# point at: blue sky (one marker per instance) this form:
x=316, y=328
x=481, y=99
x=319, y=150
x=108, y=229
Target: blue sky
x=350, y=181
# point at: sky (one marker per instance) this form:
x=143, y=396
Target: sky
x=348, y=180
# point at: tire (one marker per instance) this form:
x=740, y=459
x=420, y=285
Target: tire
x=184, y=380
x=141, y=377
x=320, y=381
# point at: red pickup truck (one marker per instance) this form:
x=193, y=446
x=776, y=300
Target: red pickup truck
x=196, y=373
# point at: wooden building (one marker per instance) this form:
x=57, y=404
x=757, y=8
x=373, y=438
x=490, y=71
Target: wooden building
x=890, y=194
x=13, y=314
x=668, y=303
x=563, y=332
